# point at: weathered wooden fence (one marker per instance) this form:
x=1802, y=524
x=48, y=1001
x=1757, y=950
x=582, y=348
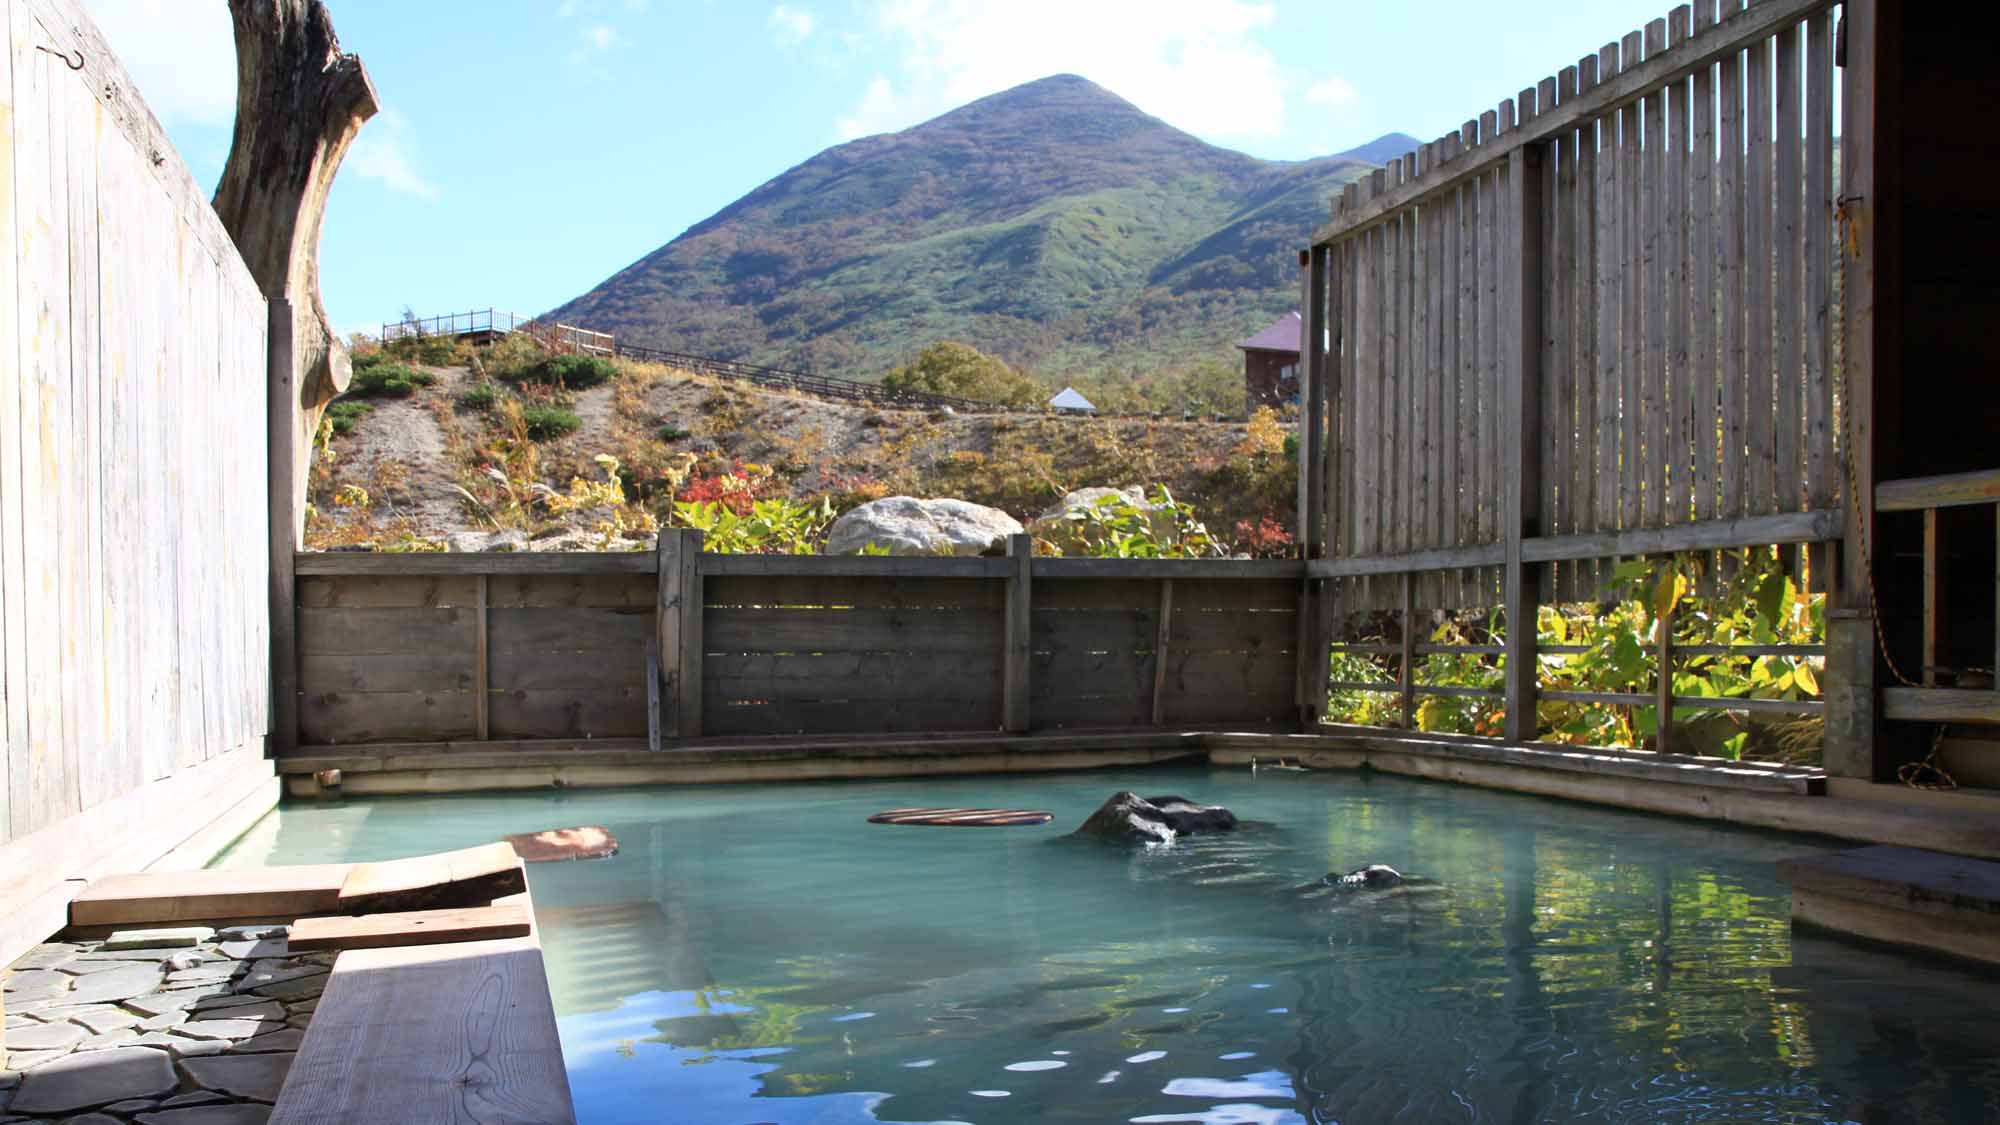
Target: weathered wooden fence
x=1598, y=321
x=455, y=648
x=133, y=562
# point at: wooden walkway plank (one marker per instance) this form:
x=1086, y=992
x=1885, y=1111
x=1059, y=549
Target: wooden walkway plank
x=463, y=1032
x=471, y=876
x=209, y=895
x=413, y=927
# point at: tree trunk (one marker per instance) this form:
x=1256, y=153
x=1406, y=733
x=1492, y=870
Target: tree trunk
x=299, y=104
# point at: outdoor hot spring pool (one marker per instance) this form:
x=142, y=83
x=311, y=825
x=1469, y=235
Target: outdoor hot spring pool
x=761, y=953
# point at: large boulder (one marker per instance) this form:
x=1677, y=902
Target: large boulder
x=904, y=525
x=1058, y=524
x=1130, y=818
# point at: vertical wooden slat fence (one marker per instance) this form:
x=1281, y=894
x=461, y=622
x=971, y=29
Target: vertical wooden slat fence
x=1597, y=321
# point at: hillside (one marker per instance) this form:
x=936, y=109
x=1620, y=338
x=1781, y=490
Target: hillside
x=1054, y=225
x=406, y=471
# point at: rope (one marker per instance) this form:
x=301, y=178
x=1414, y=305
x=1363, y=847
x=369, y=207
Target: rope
x=1927, y=773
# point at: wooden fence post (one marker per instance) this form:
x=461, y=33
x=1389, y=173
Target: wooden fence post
x=1162, y=641
x=678, y=625
x=1014, y=712
x=1521, y=335
x=1663, y=688
x=281, y=504
x=1406, y=671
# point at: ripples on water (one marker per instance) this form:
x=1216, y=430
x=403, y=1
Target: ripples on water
x=760, y=954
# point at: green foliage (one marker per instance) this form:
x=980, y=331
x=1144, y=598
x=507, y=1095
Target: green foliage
x=671, y=432
x=375, y=374
x=770, y=527
x=1118, y=527
x=570, y=372
x=547, y=421
x=951, y=368
x=481, y=396
x=1617, y=643
x=435, y=351
x=343, y=413
x=512, y=357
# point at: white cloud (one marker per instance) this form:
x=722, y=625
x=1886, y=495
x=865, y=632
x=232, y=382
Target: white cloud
x=382, y=152
x=182, y=56
x=1333, y=93
x=1197, y=64
x=791, y=25
x=594, y=40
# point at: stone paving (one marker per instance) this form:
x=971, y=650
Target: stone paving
x=174, y=1026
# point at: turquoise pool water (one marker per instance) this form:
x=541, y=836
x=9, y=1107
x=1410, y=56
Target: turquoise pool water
x=762, y=954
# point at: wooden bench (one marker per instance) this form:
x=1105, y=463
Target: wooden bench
x=1901, y=896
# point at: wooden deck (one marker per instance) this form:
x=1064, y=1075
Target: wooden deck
x=1902, y=896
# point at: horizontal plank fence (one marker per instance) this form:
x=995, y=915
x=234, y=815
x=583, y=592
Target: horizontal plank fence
x=1599, y=320
x=681, y=644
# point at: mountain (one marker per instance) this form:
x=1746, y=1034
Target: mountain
x=1054, y=224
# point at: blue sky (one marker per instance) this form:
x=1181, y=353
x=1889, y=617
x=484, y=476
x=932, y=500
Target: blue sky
x=527, y=149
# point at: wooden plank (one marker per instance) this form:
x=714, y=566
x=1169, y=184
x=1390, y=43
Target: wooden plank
x=796, y=716
x=1738, y=29
x=1406, y=665
x=412, y=927
x=854, y=566
x=209, y=895
x=940, y=632
x=440, y=562
x=1759, y=299
x=1015, y=671
x=667, y=616
x=1735, y=355
x=1940, y=705
x=1934, y=548
x=1631, y=339
x=857, y=675
x=13, y=352
x=573, y=630
x=1703, y=236
x=1822, y=470
x=1205, y=596
x=1492, y=243
x=462, y=1032
x=1904, y=878
x=1583, y=504
x=386, y=630
x=1559, y=365
x=610, y=711
x=481, y=677
x=420, y=671
x=385, y=716
x=529, y=669
x=1522, y=465
x=1676, y=395
x=954, y=594
x=1787, y=244
x=552, y=591
x=1162, y=646
x=1651, y=426
x=1488, y=554
x=1610, y=275
x=1705, y=535
x=281, y=530
x=1946, y=491
x=472, y=876
x=693, y=599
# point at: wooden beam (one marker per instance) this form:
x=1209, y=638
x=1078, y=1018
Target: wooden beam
x=856, y=566
x=1522, y=377
x=1406, y=675
x=472, y=876
x=411, y=927
x=1162, y=631
x=1452, y=558
x=1727, y=38
x=434, y=563
x=1663, y=686
x=210, y=894
x=1934, y=544
x=1946, y=491
x=281, y=392
x=1703, y=535
x=692, y=608
x=481, y=698
x=1016, y=656
x=1170, y=568
x=1940, y=705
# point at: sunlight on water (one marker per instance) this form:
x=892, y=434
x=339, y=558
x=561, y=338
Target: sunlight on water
x=761, y=954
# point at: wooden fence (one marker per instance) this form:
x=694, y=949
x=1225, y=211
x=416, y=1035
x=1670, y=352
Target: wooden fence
x=1597, y=321
x=134, y=673
x=456, y=648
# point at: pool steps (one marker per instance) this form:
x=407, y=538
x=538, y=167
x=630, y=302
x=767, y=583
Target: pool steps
x=1942, y=904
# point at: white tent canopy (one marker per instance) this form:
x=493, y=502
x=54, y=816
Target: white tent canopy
x=1070, y=400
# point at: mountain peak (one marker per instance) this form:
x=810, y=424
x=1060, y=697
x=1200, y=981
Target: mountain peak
x=1383, y=149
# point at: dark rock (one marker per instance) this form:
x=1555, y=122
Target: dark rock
x=1129, y=817
x=1374, y=877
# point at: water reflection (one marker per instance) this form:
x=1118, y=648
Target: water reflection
x=758, y=954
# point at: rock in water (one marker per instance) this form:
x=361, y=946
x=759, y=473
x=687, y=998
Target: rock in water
x=904, y=525
x=1127, y=816
x=1374, y=877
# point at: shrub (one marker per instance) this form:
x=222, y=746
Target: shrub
x=513, y=357
x=546, y=421
x=375, y=374
x=438, y=351
x=481, y=397
x=570, y=372
x=343, y=413
x=952, y=368
x=671, y=432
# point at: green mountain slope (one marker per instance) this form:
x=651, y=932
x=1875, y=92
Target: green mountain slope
x=1054, y=225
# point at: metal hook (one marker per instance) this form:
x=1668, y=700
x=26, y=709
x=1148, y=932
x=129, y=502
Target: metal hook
x=64, y=56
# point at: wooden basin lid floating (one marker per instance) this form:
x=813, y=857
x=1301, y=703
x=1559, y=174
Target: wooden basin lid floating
x=964, y=818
